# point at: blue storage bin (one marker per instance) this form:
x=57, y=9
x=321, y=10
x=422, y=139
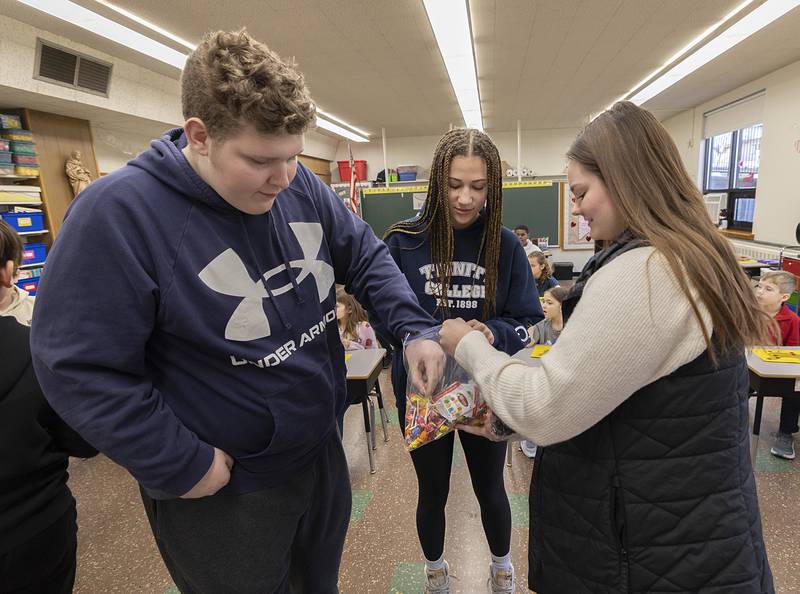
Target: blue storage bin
x=24, y=221
x=29, y=284
x=5, y=156
x=407, y=175
x=34, y=253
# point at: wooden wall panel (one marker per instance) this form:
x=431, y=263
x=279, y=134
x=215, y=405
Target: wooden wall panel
x=56, y=136
x=322, y=167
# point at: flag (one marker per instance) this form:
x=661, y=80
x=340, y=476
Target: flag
x=353, y=183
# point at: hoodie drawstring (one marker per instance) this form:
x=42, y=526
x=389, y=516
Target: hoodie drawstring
x=263, y=282
x=289, y=269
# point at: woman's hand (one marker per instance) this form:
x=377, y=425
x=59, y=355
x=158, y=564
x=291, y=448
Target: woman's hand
x=483, y=328
x=484, y=430
x=451, y=334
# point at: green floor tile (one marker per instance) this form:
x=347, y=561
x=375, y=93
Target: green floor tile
x=360, y=502
x=766, y=462
x=173, y=589
x=519, y=510
x=458, y=454
x=408, y=578
x=391, y=416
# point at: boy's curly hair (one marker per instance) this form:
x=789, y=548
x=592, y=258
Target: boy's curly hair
x=231, y=80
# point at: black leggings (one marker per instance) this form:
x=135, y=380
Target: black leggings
x=485, y=460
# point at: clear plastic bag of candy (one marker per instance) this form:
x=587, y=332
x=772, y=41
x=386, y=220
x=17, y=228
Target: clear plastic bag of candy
x=456, y=400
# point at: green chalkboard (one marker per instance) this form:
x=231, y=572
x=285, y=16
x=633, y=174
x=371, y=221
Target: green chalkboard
x=535, y=204
x=537, y=207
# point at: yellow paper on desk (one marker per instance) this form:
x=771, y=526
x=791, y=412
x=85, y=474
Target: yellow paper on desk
x=347, y=356
x=539, y=350
x=778, y=355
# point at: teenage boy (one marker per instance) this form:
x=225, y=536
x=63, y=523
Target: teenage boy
x=522, y=231
x=186, y=326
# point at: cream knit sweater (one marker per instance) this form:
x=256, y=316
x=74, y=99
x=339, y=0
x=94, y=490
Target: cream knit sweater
x=632, y=326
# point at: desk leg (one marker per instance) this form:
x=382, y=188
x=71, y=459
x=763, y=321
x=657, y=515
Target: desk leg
x=757, y=424
x=372, y=421
x=366, y=405
x=382, y=411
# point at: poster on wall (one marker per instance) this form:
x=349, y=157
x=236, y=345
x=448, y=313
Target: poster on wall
x=575, y=229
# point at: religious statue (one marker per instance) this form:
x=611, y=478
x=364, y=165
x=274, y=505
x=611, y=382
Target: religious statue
x=77, y=173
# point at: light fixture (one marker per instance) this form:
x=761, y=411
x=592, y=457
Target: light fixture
x=111, y=30
x=450, y=23
x=339, y=130
x=99, y=25
x=754, y=21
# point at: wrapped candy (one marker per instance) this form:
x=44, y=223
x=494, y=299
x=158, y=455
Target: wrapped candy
x=428, y=419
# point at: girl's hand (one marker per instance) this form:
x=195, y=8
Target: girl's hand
x=345, y=343
x=451, y=334
x=483, y=328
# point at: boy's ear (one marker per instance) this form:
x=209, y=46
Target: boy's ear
x=7, y=274
x=785, y=297
x=197, y=137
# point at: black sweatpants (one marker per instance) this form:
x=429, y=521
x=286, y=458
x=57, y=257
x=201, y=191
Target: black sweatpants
x=45, y=564
x=485, y=460
x=287, y=539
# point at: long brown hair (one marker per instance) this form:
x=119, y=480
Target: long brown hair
x=636, y=159
x=541, y=259
x=355, y=313
x=435, y=216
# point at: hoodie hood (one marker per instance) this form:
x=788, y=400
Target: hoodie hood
x=166, y=162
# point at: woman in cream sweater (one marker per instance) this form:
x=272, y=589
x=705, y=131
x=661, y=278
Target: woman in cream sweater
x=646, y=482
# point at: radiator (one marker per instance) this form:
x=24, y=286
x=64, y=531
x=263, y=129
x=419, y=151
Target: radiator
x=758, y=251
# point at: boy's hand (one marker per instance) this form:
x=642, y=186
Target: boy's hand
x=217, y=476
x=425, y=364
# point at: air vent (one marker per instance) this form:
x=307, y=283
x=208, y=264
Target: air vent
x=65, y=67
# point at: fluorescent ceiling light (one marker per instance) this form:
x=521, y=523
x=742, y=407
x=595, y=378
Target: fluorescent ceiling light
x=450, y=22
x=768, y=12
x=113, y=31
x=337, y=129
x=153, y=27
x=100, y=25
x=335, y=119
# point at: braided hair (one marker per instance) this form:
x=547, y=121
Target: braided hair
x=435, y=216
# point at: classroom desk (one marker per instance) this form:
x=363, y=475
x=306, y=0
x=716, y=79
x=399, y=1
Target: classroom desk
x=771, y=380
x=363, y=369
x=752, y=267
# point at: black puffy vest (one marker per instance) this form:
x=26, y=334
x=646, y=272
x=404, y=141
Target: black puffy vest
x=659, y=496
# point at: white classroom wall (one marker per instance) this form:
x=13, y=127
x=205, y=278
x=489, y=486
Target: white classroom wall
x=777, y=211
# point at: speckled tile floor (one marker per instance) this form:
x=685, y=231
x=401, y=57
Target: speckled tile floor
x=116, y=552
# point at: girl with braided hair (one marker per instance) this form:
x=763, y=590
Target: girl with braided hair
x=461, y=262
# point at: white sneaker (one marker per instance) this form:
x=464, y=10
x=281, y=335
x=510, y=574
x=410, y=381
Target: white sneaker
x=502, y=581
x=528, y=448
x=437, y=581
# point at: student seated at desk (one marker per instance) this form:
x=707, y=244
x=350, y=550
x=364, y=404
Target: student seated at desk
x=772, y=292
x=354, y=329
x=542, y=272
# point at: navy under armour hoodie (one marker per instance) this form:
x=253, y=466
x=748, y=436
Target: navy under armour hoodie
x=168, y=322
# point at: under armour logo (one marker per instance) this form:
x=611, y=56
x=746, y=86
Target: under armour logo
x=227, y=274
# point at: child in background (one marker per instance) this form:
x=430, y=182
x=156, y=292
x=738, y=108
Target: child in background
x=14, y=301
x=354, y=329
x=546, y=332
x=541, y=272
x=772, y=292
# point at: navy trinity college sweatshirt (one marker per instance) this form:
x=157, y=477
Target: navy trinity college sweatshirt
x=516, y=299
x=169, y=323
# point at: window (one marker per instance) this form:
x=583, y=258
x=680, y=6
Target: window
x=731, y=165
